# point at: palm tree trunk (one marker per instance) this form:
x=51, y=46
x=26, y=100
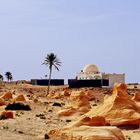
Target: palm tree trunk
x=49, y=81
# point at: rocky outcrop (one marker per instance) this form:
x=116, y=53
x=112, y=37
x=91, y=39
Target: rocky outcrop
x=79, y=102
x=87, y=133
x=2, y=102
x=7, y=96
x=94, y=121
x=90, y=95
x=6, y=115
x=66, y=93
x=79, y=99
x=136, y=97
x=117, y=109
x=20, y=98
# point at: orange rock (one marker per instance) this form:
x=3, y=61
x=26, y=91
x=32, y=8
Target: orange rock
x=79, y=103
x=120, y=89
x=67, y=112
x=35, y=100
x=87, y=133
x=2, y=102
x=66, y=93
x=90, y=95
x=20, y=98
x=118, y=109
x=136, y=97
x=7, y=115
x=54, y=95
x=7, y=96
x=79, y=99
x=83, y=109
x=94, y=121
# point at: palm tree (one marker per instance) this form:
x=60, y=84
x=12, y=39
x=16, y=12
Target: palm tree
x=1, y=77
x=50, y=61
x=9, y=76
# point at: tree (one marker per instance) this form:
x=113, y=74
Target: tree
x=1, y=77
x=9, y=76
x=50, y=61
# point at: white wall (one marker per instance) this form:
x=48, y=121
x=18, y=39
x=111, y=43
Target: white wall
x=116, y=78
x=86, y=76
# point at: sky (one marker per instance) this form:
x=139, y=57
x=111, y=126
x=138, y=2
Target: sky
x=79, y=32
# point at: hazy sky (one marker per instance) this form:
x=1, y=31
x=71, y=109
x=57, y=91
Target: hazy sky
x=102, y=32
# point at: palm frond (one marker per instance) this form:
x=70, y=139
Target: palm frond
x=56, y=67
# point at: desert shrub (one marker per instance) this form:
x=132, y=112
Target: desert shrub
x=17, y=106
x=46, y=136
x=5, y=127
x=42, y=116
x=68, y=121
x=57, y=104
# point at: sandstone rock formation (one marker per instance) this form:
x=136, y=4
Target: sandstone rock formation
x=20, y=98
x=66, y=93
x=6, y=115
x=79, y=102
x=90, y=95
x=55, y=95
x=117, y=109
x=7, y=96
x=87, y=133
x=94, y=121
x=136, y=97
x=2, y=102
x=79, y=99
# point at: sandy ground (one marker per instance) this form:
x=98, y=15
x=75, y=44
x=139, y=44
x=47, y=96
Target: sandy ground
x=34, y=124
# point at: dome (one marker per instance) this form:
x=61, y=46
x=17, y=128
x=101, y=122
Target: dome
x=90, y=68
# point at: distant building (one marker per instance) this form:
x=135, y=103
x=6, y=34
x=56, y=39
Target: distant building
x=113, y=78
x=91, y=72
x=90, y=76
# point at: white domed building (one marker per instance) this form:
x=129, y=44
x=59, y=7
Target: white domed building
x=91, y=72
x=91, y=68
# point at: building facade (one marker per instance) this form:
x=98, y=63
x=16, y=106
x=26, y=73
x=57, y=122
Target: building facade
x=114, y=78
x=91, y=72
